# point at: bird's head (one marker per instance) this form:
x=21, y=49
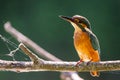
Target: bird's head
x=77, y=21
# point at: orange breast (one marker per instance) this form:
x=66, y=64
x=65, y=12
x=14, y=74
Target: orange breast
x=84, y=47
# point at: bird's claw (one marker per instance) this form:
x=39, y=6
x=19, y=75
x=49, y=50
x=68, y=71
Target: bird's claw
x=79, y=62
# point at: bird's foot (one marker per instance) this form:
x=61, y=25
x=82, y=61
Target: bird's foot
x=79, y=62
x=89, y=62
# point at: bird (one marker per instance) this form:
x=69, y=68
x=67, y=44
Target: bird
x=85, y=41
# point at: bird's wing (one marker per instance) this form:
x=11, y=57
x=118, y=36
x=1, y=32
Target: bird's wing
x=93, y=39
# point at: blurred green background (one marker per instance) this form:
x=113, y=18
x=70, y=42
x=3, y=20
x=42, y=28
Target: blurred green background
x=38, y=19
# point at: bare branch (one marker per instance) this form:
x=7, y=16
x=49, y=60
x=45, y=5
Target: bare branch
x=39, y=50
x=22, y=66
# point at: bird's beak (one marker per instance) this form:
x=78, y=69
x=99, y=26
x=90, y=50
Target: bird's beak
x=69, y=19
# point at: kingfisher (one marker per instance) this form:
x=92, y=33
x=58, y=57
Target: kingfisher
x=85, y=41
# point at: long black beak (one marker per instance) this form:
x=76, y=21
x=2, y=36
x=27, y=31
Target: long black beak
x=69, y=19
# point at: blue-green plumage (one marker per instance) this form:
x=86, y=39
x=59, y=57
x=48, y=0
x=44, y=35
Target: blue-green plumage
x=93, y=39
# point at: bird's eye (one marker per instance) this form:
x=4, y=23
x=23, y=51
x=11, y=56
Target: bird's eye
x=77, y=20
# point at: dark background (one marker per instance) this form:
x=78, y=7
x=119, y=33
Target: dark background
x=38, y=19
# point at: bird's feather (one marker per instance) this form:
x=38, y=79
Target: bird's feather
x=93, y=39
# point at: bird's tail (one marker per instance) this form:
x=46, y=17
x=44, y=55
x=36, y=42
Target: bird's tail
x=95, y=73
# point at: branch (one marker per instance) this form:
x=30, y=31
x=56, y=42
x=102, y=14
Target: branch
x=38, y=64
x=39, y=50
x=22, y=66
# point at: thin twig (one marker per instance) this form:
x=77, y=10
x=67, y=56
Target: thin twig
x=39, y=50
x=31, y=55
